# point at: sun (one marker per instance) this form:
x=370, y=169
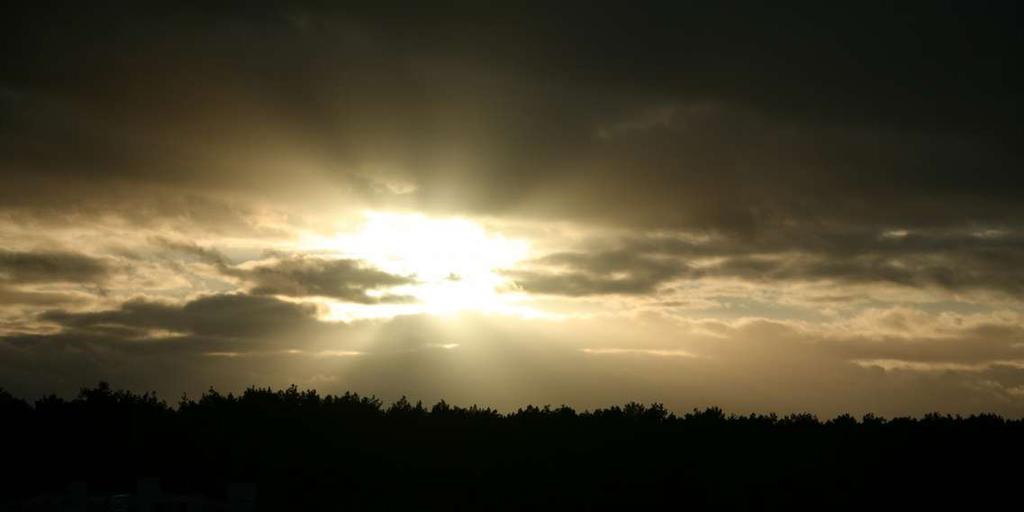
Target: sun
x=455, y=262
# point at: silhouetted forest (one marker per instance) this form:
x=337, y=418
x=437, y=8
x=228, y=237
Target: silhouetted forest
x=303, y=451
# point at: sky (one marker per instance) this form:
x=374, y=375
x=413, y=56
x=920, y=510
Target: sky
x=762, y=207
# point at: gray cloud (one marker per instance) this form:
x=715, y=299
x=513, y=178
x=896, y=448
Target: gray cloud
x=474, y=108
x=206, y=255
x=303, y=276
x=226, y=315
x=299, y=276
x=51, y=267
x=14, y=295
x=981, y=260
x=160, y=345
x=613, y=272
x=749, y=366
x=760, y=144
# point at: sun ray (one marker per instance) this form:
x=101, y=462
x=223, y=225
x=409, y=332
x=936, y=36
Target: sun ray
x=455, y=263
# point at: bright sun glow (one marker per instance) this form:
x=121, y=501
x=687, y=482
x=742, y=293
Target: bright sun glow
x=455, y=263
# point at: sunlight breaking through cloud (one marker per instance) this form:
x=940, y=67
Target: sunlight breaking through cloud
x=454, y=264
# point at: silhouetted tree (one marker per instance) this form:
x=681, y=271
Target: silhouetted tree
x=305, y=451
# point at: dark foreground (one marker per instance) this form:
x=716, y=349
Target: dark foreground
x=293, y=450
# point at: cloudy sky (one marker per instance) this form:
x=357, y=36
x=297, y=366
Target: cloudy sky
x=765, y=208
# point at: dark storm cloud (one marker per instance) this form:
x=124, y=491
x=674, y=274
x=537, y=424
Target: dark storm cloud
x=725, y=117
x=51, y=267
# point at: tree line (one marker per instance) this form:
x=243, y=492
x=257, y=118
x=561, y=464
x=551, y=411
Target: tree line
x=306, y=451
